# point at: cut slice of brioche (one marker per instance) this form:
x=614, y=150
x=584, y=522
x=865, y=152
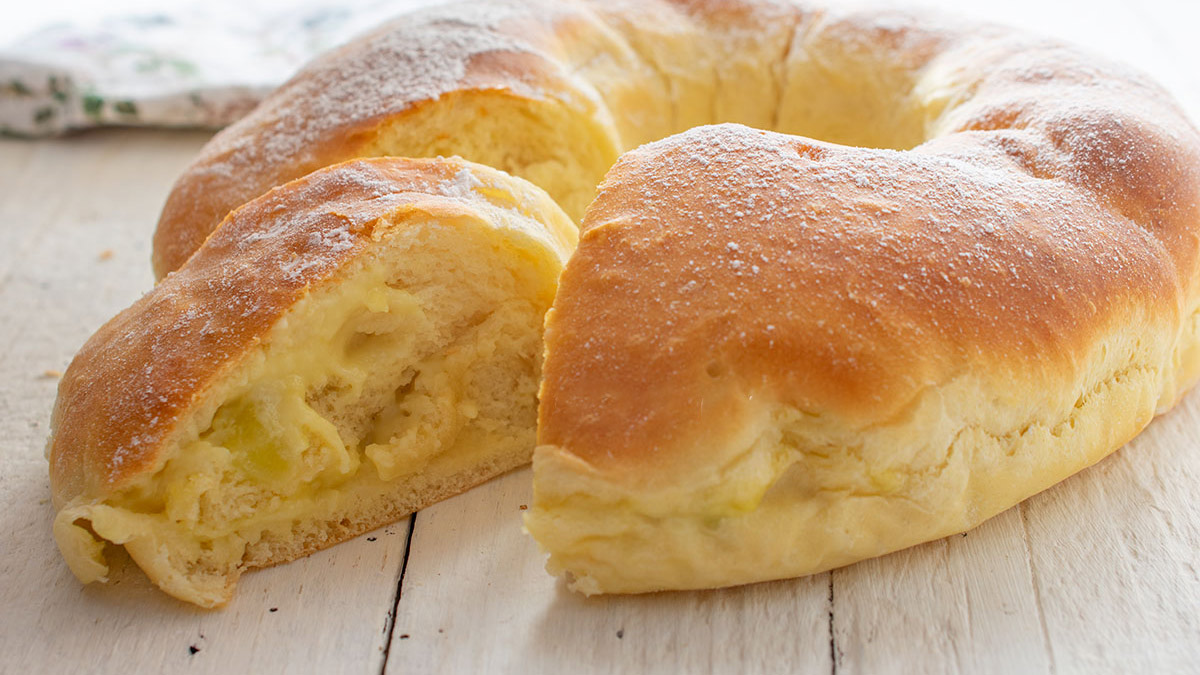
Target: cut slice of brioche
x=344, y=350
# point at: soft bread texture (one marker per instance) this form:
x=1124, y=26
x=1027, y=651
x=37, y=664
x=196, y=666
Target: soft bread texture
x=773, y=355
x=349, y=348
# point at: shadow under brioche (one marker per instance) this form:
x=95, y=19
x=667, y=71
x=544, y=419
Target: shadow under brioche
x=347, y=349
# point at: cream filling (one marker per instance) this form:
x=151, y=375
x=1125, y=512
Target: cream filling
x=382, y=383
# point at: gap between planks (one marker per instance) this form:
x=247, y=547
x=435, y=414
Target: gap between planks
x=390, y=628
x=1037, y=590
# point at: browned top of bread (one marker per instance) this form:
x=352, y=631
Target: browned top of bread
x=771, y=356
x=1050, y=194
x=727, y=264
x=167, y=348
x=634, y=70
x=331, y=108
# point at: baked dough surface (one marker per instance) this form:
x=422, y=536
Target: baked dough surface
x=347, y=349
x=772, y=355
x=858, y=356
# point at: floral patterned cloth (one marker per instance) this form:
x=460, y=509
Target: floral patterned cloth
x=200, y=66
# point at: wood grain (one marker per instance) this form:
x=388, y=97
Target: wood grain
x=962, y=604
x=476, y=599
x=1098, y=574
x=1116, y=555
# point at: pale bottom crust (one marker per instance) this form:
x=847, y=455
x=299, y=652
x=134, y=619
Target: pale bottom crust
x=372, y=504
x=373, y=512
x=608, y=538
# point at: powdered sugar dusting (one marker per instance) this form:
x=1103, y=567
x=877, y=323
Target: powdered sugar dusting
x=462, y=186
x=416, y=58
x=845, y=279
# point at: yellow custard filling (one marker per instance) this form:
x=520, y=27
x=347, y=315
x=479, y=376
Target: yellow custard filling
x=369, y=395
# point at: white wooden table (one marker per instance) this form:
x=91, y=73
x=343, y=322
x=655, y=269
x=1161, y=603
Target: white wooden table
x=1099, y=574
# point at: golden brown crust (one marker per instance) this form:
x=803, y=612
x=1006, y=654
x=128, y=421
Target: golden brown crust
x=165, y=351
x=1058, y=193
x=332, y=108
x=853, y=280
x=771, y=356
x=637, y=71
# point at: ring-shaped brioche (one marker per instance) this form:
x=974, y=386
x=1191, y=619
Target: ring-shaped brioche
x=773, y=355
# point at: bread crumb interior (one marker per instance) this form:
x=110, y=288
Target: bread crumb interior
x=372, y=393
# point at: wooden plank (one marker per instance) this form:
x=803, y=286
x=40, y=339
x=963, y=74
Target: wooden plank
x=964, y=604
x=78, y=219
x=1116, y=551
x=27, y=202
x=476, y=599
x=62, y=286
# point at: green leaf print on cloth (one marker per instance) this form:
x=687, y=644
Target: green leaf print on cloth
x=184, y=66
